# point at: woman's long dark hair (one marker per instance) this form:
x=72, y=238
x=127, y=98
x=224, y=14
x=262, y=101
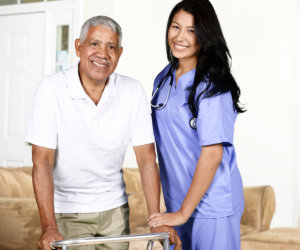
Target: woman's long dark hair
x=213, y=59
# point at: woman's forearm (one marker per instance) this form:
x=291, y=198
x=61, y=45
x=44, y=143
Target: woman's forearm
x=206, y=169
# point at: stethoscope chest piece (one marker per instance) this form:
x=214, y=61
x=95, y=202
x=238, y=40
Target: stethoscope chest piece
x=193, y=123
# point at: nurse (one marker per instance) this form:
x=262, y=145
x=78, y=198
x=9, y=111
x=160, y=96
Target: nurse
x=194, y=107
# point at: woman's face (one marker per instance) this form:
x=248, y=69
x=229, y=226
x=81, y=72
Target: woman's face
x=181, y=37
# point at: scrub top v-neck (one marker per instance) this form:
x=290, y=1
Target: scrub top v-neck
x=179, y=146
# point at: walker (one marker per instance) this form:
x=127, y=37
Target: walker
x=64, y=244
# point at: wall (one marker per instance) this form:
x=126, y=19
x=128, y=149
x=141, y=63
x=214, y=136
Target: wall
x=97, y=7
x=144, y=48
x=296, y=102
x=263, y=50
x=262, y=37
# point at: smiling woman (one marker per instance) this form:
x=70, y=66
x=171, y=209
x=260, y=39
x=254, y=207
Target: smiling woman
x=201, y=182
x=182, y=39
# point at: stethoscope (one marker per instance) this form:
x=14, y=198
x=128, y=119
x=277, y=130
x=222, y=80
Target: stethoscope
x=193, y=120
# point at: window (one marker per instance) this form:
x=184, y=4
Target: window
x=8, y=2
x=11, y=2
x=62, y=48
x=31, y=1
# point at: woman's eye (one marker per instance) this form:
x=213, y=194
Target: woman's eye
x=175, y=27
x=191, y=31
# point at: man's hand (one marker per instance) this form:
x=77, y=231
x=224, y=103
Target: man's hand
x=174, y=238
x=47, y=237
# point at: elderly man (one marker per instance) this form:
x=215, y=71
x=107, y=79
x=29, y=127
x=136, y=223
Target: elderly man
x=81, y=124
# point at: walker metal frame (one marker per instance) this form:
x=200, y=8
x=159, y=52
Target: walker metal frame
x=64, y=244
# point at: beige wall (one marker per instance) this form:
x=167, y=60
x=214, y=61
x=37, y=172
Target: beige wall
x=97, y=7
x=261, y=36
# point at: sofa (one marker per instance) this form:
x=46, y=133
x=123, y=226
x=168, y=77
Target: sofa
x=20, y=225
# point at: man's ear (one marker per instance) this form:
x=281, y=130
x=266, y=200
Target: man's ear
x=77, y=47
x=121, y=51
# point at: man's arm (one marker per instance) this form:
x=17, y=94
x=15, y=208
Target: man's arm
x=145, y=156
x=146, y=159
x=43, y=159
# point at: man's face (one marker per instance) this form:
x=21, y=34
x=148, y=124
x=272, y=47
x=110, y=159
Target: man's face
x=99, y=54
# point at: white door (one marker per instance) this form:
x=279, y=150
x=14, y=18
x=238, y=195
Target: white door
x=21, y=68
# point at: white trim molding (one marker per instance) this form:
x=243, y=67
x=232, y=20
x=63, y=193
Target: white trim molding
x=65, y=12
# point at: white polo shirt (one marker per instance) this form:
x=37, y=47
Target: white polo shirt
x=90, y=140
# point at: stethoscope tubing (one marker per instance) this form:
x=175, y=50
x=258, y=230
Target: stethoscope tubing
x=193, y=120
x=161, y=105
x=160, y=85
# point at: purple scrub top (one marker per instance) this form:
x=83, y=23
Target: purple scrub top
x=179, y=147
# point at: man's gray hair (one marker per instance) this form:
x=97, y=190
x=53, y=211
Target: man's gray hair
x=105, y=21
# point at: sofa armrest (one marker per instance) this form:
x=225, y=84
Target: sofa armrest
x=259, y=207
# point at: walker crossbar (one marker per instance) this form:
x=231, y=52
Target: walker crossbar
x=64, y=244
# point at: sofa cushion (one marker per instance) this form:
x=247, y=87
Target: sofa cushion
x=20, y=224
x=138, y=245
x=16, y=182
x=274, y=239
x=142, y=245
x=277, y=235
x=244, y=229
x=136, y=198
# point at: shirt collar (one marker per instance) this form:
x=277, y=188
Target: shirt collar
x=75, y=87
x=111, y=85
x=186, y=80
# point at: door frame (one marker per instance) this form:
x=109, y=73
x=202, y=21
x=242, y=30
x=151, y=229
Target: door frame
x=53, y=17
x=65, y=12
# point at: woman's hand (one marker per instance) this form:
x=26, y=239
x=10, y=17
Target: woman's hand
x=166, y=219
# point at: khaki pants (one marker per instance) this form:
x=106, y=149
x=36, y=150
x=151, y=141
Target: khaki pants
x=107, y=223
